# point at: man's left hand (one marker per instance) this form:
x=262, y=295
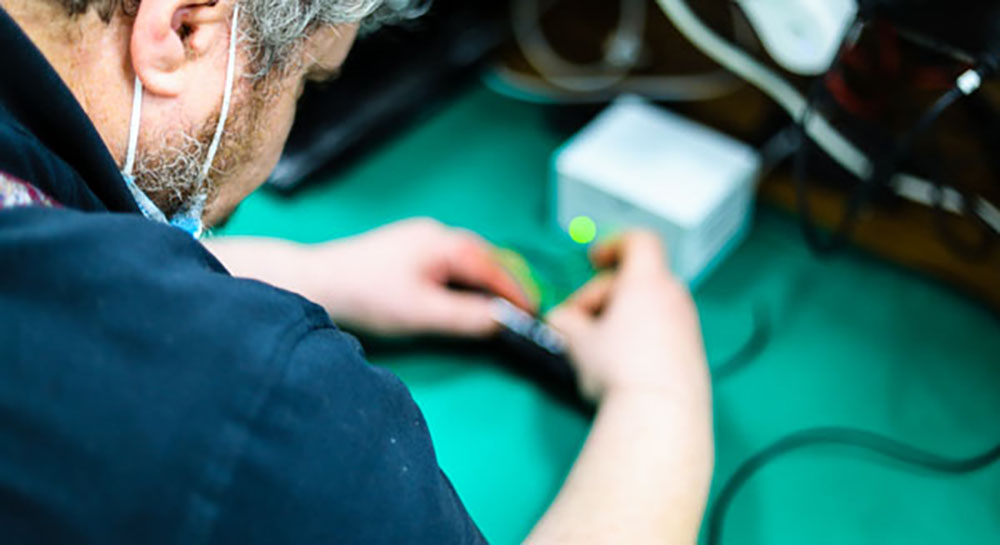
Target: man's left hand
x=397, y=280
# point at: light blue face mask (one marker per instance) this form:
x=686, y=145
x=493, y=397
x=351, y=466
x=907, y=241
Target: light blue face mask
x=188, y=219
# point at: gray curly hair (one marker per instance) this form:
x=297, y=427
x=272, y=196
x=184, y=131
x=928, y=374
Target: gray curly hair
x=276, y=28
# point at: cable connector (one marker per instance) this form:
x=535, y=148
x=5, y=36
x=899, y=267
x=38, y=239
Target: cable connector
x=972, y=79
x=969, y=82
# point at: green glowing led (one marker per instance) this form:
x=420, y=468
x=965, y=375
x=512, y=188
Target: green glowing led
x=582, y=230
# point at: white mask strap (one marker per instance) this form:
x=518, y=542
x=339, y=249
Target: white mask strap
x=133, y=130
x=226, y=97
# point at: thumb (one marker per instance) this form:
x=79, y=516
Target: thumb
x=576, y=316
x=576, y=326
x=570, y=320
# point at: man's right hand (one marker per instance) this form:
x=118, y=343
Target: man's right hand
x=633, y=328
x=644, y=473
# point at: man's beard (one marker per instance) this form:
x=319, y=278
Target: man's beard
x=169, y=174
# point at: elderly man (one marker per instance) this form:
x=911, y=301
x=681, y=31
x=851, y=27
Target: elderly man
x=152, y=392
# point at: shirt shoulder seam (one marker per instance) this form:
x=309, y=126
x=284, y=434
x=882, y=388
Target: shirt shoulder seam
x=203, y=506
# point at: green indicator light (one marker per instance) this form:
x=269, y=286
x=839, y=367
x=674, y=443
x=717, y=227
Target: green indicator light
x=582, y=230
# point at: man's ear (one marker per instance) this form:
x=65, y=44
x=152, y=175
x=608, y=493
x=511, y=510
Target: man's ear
x=164, y=32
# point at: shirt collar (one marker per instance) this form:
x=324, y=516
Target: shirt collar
x=33, y=94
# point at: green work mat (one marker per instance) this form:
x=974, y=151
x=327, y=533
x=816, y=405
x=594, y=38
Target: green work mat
x=854, y=342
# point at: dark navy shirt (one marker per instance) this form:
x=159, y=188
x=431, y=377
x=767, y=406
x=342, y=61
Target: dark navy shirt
x=147, y=396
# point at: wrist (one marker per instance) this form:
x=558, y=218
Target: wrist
x=688, y=398
x=686, y=384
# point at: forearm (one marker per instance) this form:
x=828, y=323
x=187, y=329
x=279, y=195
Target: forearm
x=393, y=281
x=283, y=264
x=311, y=271
x=263, y=259
x=642, y=476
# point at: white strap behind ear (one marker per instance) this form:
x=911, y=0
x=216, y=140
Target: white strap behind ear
x=133, y=130
x=226, y=97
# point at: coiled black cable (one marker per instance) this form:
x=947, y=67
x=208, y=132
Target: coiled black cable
x=840, y=436
x=749, y=350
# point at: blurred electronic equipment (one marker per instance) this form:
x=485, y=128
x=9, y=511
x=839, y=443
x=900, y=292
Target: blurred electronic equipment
x=390, y=77
x=874, y=118
x=802, y=36
x=885, y=107
x=897, y=126
x=637, y=165
x=593, y=51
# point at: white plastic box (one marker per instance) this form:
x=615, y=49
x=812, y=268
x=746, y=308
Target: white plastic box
x=639, y=165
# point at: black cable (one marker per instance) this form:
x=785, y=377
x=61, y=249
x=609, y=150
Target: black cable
x=841, y=233
x=880, y=177
x=971, y=251
x=926, y=121
x=882, y=172
x=840, y=436
x=750, y=350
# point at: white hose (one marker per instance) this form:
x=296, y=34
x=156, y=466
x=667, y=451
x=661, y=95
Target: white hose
x=819, y=129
